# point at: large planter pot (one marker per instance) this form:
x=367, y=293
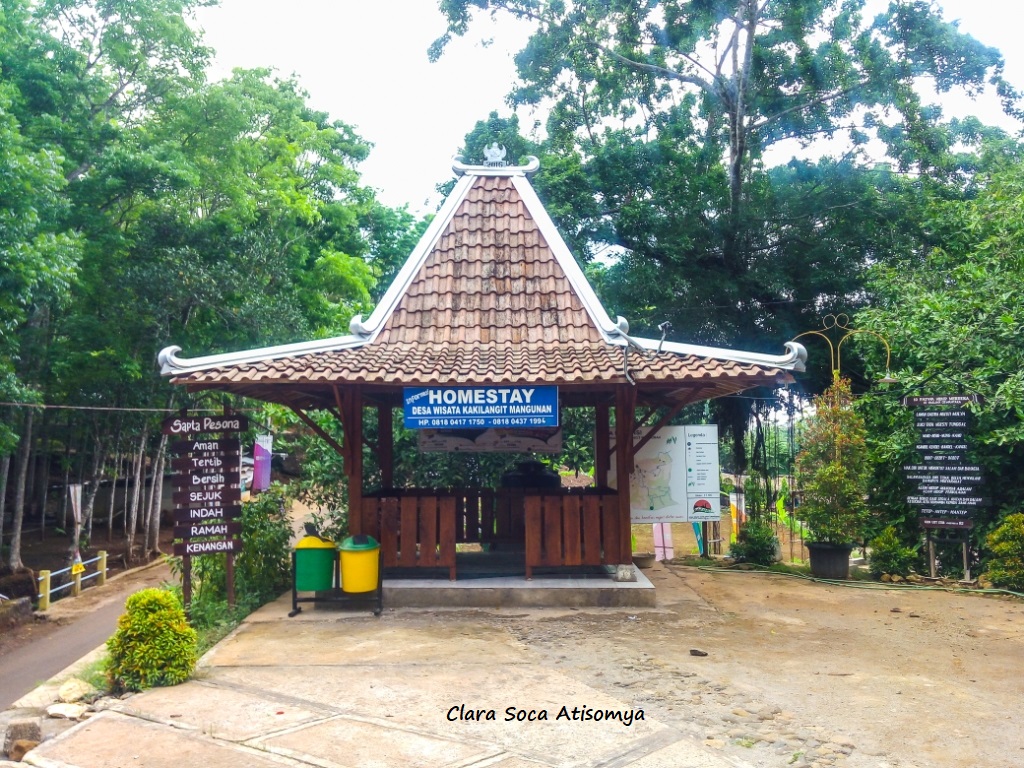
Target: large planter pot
x=830, y=561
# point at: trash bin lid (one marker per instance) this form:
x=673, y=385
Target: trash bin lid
x=314, y=542
x=360, y=541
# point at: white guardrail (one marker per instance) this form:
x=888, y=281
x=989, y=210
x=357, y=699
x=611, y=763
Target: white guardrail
x=78, y=572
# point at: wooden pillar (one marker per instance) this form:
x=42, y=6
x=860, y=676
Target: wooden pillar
x=350, y=411
x=355, y=482
x=386, y=445
x=625, y=406
x=602, y=446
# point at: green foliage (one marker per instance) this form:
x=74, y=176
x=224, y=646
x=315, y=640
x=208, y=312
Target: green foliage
x=756, y=543
x=833, y=470
x=262, y=568
x=887, y=554
x=952, y=315
x=1005, y=566
x=153, y=645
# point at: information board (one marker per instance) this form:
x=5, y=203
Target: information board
x=676, y=477
x=948, y=483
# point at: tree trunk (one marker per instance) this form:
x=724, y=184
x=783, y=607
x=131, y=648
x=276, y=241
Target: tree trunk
x=99, y=461
x=20, y=476
x=153, y=545
x=67, y=483
x=113, y=482
x=132, y=512
x=5, y=468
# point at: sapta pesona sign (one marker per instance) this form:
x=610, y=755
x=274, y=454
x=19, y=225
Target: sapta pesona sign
x=486, y=407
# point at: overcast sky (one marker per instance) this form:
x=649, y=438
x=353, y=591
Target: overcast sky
x=366, y=63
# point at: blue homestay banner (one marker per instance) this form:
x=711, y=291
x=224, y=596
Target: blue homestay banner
x=480, y=407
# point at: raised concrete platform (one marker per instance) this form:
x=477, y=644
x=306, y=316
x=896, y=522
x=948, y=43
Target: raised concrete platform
x=498, y=580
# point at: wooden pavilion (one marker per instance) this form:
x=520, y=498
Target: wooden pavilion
x=491, y=296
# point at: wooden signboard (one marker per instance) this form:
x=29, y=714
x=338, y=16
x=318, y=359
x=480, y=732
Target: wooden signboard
x=207, y=494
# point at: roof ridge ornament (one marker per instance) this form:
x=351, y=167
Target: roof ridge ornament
x=494, y=156
x=495, y=164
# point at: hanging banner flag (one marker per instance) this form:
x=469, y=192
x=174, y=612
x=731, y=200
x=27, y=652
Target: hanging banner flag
x=75, y=492
x=261, y=455
x=663, y=549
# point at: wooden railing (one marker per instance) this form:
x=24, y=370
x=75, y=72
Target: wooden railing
x=571, y=529
x=419, y=528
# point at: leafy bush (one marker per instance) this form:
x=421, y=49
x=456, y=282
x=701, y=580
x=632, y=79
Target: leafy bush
x=1006, y=544
x=153, y=645
x=889, y=555
x=756, y=543
x=262, y=567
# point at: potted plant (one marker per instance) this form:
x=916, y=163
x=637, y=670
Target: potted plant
x=833, y=472
x=641, y=559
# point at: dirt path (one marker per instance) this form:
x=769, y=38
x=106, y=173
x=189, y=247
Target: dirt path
x=796, y=673
x=803, y=674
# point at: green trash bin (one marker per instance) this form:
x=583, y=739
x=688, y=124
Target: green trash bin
x=359, y=564
x=314, y=564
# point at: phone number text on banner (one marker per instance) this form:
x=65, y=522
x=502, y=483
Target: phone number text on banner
x=480, y=407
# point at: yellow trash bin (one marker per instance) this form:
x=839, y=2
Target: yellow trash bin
x=359, y=563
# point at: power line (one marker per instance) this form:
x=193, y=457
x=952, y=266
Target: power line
x=44, y=406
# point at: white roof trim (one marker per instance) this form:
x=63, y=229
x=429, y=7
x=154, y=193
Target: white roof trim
x=793, y=360
x=172, y=365
x=567, y=261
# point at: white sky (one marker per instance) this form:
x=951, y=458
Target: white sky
x=366, y=63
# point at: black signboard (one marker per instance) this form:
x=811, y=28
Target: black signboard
x=945, y=522
x=192, y=425
x=206, y=494
x=207, y=547
x=939, y=400
x=199, y=530
x=209, y=447
x=205, y=480
x=948, y=491
x=204, y=514
x=941, y=445
x=947, y=500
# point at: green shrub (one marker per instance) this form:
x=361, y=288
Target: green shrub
x=1006, y=544
x=153, y=645
x=756, y=543
x=887, y=554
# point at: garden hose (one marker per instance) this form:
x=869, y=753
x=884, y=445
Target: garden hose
x=750, y=568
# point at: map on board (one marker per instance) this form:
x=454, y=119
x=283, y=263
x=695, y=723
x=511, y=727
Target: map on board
x=675, y=476
x=650, y=485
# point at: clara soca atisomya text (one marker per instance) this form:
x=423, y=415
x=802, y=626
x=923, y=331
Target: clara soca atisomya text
x=460, y=712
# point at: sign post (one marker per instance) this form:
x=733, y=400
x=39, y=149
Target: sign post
x=207, y=491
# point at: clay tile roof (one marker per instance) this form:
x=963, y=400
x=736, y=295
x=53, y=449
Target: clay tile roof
x=491, y=295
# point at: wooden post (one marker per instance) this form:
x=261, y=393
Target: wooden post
x=602, y=446
x=386, y=445
x=186, y=581
x=101, y=568
x=624, y=408
x=230, y=577
x=44, y=590
x=76, y=585
x=931, y=554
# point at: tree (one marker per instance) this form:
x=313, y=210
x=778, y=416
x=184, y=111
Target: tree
x=952, y=317
x=833, y=469
x=678, y=113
